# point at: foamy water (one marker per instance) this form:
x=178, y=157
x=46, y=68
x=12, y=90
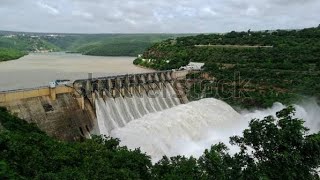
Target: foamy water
x=113, y=113
x=183, y=130
x=191, y=128
x=36, y=70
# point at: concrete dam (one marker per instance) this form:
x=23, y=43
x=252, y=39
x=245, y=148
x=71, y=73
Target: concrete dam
x=97, y=105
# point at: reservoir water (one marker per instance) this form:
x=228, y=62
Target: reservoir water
x=38, y=69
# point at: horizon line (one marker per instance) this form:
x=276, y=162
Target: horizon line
x=142, y=33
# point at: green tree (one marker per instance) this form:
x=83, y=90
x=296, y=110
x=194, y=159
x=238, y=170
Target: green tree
x=177, y=168
x=279, y=148
x=5, y=172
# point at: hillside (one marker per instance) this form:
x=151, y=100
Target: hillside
x=109, y=44
x=277, y=65
x=16, y=46
x=87, y=44
x=26, y=43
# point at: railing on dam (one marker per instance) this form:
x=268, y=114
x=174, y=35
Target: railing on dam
x=87, y=86
x=175, y=74
x=14, y=95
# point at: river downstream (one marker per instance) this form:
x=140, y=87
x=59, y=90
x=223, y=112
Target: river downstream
x=36, y=70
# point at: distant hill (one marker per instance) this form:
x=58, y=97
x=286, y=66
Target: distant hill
x=89, y=44
x=109, y=44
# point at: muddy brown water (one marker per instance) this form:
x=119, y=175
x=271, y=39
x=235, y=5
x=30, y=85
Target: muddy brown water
x=36, y=70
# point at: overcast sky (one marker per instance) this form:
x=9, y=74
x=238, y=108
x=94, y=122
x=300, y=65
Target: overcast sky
x=156, y=16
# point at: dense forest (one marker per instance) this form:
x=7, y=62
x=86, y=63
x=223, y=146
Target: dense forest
x=278, y=65
x=271, y=148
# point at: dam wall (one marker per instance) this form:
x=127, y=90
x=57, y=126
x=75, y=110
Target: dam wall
x=54, y=110
x=95, y=106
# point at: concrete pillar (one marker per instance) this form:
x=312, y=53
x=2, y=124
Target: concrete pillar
x=88, y=87
x=53, y=94
x=162, y=77
x=93, y=99
x=114, y=93
x=174, y=75
x=119, y=83
x=156, y=77
x=182, y=96
x=100, y=85
x=168, y=75
x=104, y=94
x=82, y=102
x=142, y=79
x=127, y=81
x=135, y=80
x=131, y=90
x=109, y=84
x=118, y=87
x=122, y=90
x=149, y=78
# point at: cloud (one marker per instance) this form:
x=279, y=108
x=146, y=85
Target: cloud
x=82, y=14
x=209, y=11
x=50, y=9
x=251, y=11
x=170, y=16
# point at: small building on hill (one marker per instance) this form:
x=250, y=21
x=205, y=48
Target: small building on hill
x=193, y=66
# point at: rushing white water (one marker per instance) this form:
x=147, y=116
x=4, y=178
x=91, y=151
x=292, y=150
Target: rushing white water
x=308, y=110
x=184, y=129
x=102, y=114
x=114, y=113
x=191, y=128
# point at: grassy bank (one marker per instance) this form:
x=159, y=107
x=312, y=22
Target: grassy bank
x=10, y=54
